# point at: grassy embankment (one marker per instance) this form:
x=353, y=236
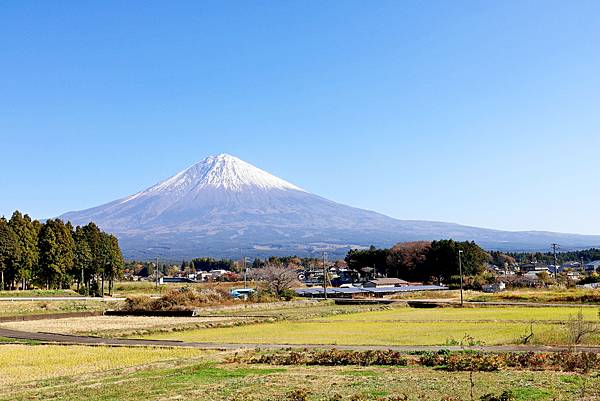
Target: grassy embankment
x=136, y=374
x=552, y=295
x=535, y=295
x=19, y=308
x=132, y=288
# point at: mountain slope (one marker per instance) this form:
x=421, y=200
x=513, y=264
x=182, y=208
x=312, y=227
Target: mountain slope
x=223, y=206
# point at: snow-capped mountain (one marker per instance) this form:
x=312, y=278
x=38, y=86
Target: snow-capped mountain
x=223, y=206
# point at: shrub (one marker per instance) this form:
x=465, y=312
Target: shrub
x=505, y=396
x=334, y=357
x=576, y=361
x=579, y=328
x=287, y=294
x=185, y=298
x=474, y=362
x=262, y=296
x=451, y=361
x=298, y=395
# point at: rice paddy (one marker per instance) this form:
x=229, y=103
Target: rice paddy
x=141, y=374
x=21, y=364
x=408, y=326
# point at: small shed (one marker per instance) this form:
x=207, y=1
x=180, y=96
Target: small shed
x=386, y=283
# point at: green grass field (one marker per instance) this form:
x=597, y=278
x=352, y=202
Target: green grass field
x=407, y=326
x=75, y=373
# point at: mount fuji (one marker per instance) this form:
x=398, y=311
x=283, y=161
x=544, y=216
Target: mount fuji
x=225, y=207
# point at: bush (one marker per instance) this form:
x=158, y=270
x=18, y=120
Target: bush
x=298, y=395
x=451, y=361
x=473, y=362
x=262, y=296
x=288, y=294
x=185, y=298
x=505, y=396
x=334, y=357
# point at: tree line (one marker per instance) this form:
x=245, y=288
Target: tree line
x=54, y=255
x=588, y=255
x=422, y=261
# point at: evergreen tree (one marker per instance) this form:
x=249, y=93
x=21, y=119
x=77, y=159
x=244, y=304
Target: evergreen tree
x=83, y=259
x=58, y=252
x=9, y=250
x=114, y=263
x=49, y=263
x=442, y=259
x=93, y=236
x=27, y=234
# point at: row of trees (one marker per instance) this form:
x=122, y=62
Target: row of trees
x=55, y=255
x=587, y=255
x=422, y=260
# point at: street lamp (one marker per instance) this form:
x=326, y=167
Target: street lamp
x=461, y=276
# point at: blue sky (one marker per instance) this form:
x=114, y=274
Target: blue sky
x=481, y=113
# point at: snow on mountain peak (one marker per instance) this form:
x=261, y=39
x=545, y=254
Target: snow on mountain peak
x=229, y=172
x=222, y=171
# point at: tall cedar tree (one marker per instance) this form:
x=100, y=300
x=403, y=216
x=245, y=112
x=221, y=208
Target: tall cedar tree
x=10, y=250
x=49, y=267
x=27, y=232
x=83, y=260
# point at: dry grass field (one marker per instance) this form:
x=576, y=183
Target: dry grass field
x=77, y=373
x=118, y=326
x=141, y=374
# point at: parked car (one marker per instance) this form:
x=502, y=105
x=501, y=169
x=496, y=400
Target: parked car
x=242, y=293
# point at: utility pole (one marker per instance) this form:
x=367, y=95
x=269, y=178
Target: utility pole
x=156, y=272
x=245, y=273
x=554, y=246
x=324, y=277
x=80, y=281
x=461, y=276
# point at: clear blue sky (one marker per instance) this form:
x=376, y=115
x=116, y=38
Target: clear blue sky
x=477, y=112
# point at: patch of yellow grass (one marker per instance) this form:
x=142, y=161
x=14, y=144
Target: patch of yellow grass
x=112, y=324
x=17, y=308
x=25, y=363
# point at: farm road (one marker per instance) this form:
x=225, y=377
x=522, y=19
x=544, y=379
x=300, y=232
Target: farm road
x=53, y=338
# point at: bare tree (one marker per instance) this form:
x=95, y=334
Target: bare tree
x=579, y=328
x=278, y=278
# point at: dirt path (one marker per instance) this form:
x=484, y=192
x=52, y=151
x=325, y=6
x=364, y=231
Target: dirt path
x=53, y=338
